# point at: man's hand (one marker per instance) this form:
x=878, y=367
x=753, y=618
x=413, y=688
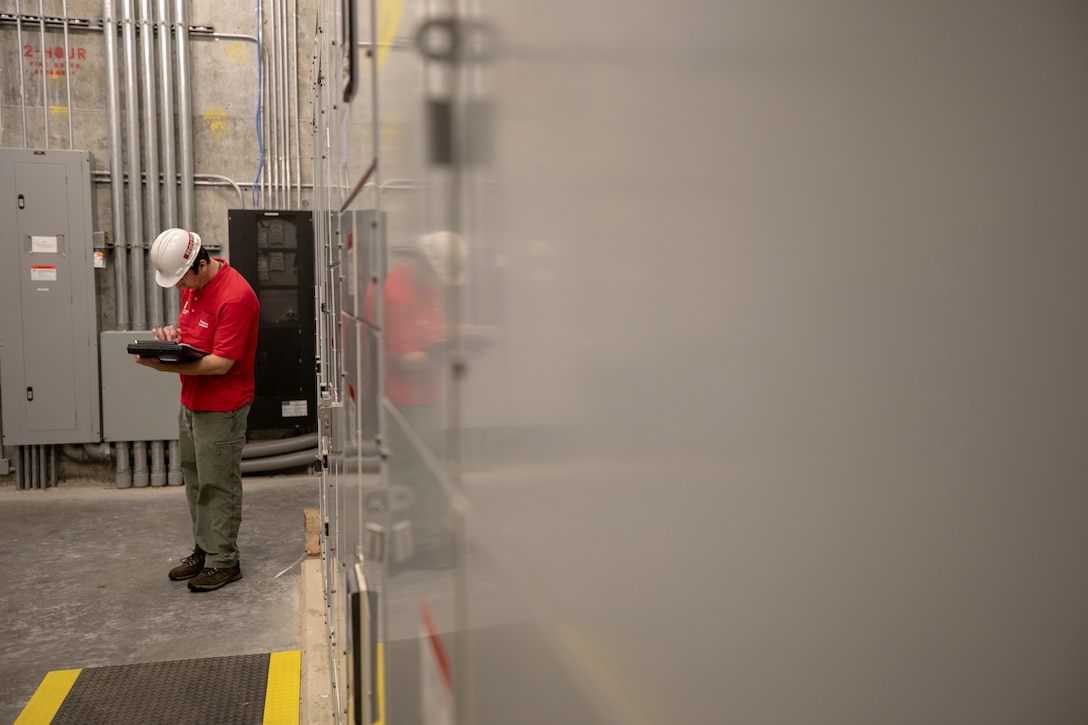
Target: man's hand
x=168, y=333
x=154, y=363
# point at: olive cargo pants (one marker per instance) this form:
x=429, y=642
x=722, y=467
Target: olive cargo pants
x=211, y=445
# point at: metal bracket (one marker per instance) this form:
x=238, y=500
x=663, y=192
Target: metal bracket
x=454, y=40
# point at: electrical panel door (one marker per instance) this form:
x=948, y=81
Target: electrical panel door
x=274, y=251
x=48, y=336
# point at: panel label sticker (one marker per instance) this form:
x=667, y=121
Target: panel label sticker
x=294, y=408
x=43, y=273
x=43, y=245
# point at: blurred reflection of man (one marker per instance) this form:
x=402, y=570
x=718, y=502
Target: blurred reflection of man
x=414, y=332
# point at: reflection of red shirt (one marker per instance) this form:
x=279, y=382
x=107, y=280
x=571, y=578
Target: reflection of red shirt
x=414, y=320
x=221, y=319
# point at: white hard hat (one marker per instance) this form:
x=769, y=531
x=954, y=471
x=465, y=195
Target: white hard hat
x=172, y=255
x=447, y=254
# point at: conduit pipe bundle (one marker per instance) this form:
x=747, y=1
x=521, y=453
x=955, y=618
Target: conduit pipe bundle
x=35, y=467
x=280, y=454
x=135, y=282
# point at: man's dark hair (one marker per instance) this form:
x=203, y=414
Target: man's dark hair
x=202, y=254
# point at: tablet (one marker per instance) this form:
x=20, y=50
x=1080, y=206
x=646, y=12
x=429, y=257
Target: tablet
x=165, y=351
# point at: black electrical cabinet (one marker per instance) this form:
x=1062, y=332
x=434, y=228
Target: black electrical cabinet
x=274, y=251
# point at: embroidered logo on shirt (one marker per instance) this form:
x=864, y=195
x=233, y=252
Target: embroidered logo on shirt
x=204, y=324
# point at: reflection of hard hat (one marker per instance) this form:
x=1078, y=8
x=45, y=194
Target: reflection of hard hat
x=172, y=255
x=446, y=252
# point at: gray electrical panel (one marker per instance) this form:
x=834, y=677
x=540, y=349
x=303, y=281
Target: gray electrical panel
x=138, y=403
x=48, y=337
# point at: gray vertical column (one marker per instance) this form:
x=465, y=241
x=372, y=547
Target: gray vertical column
x=169, y=188
x=185, y=113
x=117, y=197
x=135, y=174
x=151, y=159
x=151, y=155
x=166, y=119
x=45, y=86
x=22, y=79
x=117, y=171
x=67, y=75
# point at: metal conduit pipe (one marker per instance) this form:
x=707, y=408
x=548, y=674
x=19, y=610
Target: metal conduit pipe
x=22, y=81
x=87, y=452
x=135, y=209
x=166, y=118
x=52, y=466
x=158, y=463
x=173, y=470
x=261, y=449
x=271, y=108
x=68, y=73
x=155, y=317
x=117, y=174
x=169, y=190
x=124, y=473
x=295, y=106
x=19, y=467
x=132, y=155
x=151, y=157
x=281, y=76
x=139, y=464
x=274, y=106
x=278, y=463
x=217, y=180
x=185, y=114
x=45, y=85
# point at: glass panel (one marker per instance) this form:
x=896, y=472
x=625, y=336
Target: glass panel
x=419, y=581
x=279, y=307
x=276, y=233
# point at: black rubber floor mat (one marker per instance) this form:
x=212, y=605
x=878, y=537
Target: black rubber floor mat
x=220, y=690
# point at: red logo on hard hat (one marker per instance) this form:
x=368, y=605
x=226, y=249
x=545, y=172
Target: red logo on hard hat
x=189, y=250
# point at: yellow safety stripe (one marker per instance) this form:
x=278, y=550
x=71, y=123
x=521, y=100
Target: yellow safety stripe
x=48, y=698
x=380, y=720
x=281, y=700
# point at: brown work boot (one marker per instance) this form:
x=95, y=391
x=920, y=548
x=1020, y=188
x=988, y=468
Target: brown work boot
x=190, y=566
x=211, y=579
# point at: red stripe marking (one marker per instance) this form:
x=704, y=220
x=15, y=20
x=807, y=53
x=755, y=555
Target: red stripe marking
x=436, y=643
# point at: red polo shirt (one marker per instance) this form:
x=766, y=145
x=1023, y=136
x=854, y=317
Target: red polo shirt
x=414, y=320
x=222, y=318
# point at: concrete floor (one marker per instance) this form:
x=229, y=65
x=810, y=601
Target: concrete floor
x=83, y=573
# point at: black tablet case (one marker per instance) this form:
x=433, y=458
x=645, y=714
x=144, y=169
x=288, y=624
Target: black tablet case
x=165, y=351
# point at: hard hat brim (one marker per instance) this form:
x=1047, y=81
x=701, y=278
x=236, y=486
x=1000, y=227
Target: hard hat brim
x=168, y=280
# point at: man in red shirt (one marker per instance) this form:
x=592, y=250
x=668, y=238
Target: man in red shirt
x=414, y=333
x=219, y=315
